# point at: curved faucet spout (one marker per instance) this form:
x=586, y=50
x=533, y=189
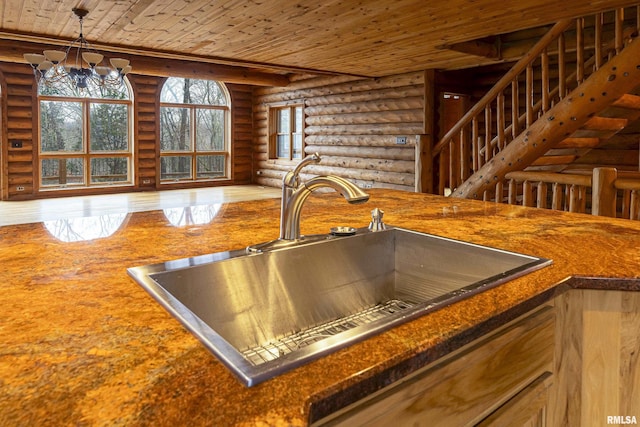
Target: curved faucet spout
x=290, y=226
x=351, y=192
x=294, y=194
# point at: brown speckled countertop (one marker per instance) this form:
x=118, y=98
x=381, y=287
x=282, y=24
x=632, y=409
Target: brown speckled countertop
x=82, y=344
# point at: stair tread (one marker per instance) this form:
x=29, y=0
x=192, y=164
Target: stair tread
x=567, y=151
x=628, y=101
x=546, y=168
x=620, y=113
x=579, y=142
x=605, y=123
x=594, y=133
x=554, y=160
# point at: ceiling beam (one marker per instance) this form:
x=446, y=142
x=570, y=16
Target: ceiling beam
x=161, y=65
x=477, y=48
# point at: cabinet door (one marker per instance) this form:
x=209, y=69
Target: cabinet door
x=527, y=408
x=598, y=358
x=467, y=386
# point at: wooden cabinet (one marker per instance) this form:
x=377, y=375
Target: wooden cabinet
x=485, y=382
x=574, y=362
x=598, y=358
x=527, y=408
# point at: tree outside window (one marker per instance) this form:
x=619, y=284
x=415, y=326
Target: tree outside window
x=194, y=138
x=287, y=134
x=85, y=137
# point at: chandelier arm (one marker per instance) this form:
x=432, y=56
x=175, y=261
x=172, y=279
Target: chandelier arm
x=61, y=71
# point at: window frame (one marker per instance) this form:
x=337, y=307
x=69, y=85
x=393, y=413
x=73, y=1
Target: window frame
x=85, y=153
x=193, y=151
x=273, y=115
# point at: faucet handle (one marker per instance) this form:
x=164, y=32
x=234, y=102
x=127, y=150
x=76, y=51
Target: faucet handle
x=376, y=223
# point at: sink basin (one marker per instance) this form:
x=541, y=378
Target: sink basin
x=265, y=313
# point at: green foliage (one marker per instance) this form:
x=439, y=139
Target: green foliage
x=63, y=142
x=177, y=90
x=60, y=126
x=64, y=87
x=109, y=127
x=192, y=121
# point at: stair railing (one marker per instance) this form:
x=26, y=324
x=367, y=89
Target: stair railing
x=605, y=191
x=558, y=92
x=546, y=190
x=500, y=116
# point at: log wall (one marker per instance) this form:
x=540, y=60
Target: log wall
x=19, y=124
x=146, y=132
x=241, y=132
x=18, y=140
x=353, y=124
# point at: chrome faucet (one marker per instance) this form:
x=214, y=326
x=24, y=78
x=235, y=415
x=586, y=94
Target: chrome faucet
x=295, y=193
x=290, y=228
x=290, y=182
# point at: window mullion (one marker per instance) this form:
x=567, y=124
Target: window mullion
x=194, y=163
x=86, y=141
x=292, y=130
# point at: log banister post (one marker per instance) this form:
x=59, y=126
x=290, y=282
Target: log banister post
x=633, y=205
x=603, y=192
x=424, y=166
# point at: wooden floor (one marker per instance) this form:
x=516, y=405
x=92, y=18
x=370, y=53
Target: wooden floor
x=21, y=212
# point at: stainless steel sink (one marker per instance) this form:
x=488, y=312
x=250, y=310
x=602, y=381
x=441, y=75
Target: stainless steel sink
x=265, y=313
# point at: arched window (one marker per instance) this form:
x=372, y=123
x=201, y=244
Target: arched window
x=194, y=130
x=85, y=136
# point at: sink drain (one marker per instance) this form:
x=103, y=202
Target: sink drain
x=287, y=344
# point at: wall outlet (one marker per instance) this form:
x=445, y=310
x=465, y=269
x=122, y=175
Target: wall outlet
x=146, y=181
x=19, y=188
x=401, y=140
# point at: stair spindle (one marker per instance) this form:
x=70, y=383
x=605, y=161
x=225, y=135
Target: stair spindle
x=619, y=21
x=580, y=50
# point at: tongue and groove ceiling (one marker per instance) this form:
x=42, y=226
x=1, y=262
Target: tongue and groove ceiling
x=362, y=38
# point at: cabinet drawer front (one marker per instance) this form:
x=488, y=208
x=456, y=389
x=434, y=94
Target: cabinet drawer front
x=469, y=384
x=527, y=408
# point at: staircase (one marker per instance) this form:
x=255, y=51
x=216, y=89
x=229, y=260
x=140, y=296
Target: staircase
x=568, y=153
x=562, y=102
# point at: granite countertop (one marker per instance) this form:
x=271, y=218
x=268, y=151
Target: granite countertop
x=82, y=344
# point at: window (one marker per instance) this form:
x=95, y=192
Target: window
x=85, y=137
x=194, y=141
x=287, y=132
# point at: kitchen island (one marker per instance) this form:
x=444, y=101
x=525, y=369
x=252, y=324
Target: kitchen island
x=82, y=344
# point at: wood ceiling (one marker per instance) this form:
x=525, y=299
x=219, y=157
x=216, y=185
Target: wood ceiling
x=354, y=37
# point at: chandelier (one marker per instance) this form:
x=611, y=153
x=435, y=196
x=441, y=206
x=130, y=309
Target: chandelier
x=78, y=65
